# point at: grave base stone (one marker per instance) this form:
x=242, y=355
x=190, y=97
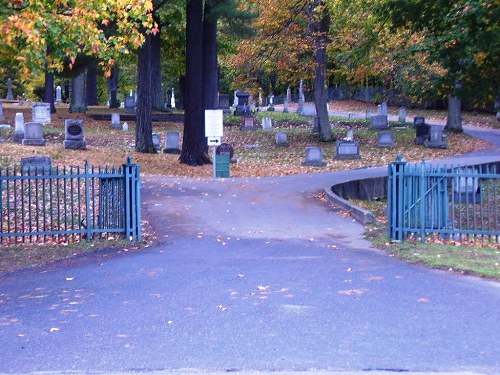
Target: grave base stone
x=347, y=150
x=33, y=134
x=314, y=157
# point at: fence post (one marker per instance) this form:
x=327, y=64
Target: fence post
x=132, y=201
x=87, y=202
x=396, y=198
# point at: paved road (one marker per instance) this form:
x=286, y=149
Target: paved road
x=247, y=275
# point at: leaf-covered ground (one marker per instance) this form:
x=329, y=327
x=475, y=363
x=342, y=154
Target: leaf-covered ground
x=255, y=151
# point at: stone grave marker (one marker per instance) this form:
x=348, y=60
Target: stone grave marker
x=172, y=99
x=248, y=123
x=40, y=112
x=302, y=98
x=315, y=128
x=224, y=101
x=267, y=124
x=125, y=127
x=2, y=118
x=422, y=132
x=308, y=110
x=347, y=150
x=285, y=106
x=385, y=139
x=10, y=96
x=130, y=104
x=314, y=157
x=172, y=141
x=379, y=122
x=156, y=141
x=467, y=189
x=288, y=95
x=19, y=129
x=350, y=135
x=58, y=94
x=436, y=138
x=74, y=139
x=242, y=107
x=418, y=121
x=382, y=109
x=36, y=165
x=402, y=114
x=33, y=134
x=281, y=139
x=168, y=103
x=115, y=121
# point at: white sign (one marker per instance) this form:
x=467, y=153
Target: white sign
x=213, y=141
x=213, y=123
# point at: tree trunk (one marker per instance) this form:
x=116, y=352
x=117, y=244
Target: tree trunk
x=113, y=88
x=78, y=104
x=48, y=93
x=193, y=141
x=158, y=98
x=320, y=26
x=454, y=121
x=144, y=124
x=210, y=67
x=92, y=83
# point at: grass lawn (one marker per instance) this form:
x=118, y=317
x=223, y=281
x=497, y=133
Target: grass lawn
x=257, y=156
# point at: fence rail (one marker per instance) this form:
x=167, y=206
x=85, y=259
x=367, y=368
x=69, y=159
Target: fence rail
x=41, y=204
x=448, y=201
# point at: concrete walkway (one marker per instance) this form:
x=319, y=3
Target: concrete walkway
x=248, y=275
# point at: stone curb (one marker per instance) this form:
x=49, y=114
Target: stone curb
x=360, y=214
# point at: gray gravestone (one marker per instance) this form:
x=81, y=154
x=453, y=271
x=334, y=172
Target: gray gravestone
x=467, y=189
x=285, y=107
x=223, y=101
x=130, y=104
x=267, y=124
x=422, y=132
x=115, y=121
x=385, y=139
x=308, y=110
x=33, y=134
x=172, y=141
x=379, y=122
x=315, y=128
x=168, y=104
x=418, y=121
x=10, y=96
x=156, y=141
x=19, y=128
x=288, y=95
x=301, y=98
x=436, y=138
x=347, y=150
x=350, y=135
x=382, y=109
x=248, y=123
x=402, y=114
x=36, y=165
x=314, y=157
x=74, y=139
x=281, y=139
x=40, y=112
x=2, y=117
x=58, y=94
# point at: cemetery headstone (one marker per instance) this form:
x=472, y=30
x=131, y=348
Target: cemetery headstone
x=224, y=101
x=115, y=121
x=417, y=120
x=235, y=99
x=350, y=135
x=379, y=122
x=10, y=96
x=130, y=104
x=302, y=98
x=315, y=128
x=436, y=138
x=172, y=140
x=465, y=188
x=382, y=109
x=40, y=112
x=33, y=134
x=267, y=124
x=36, y=165
x=74, y=138
x=168, y=104
x=385, y=139
x=285, y=106
x=78, y=96
x=58, y=94
x=242, y=108
x=314, y=157
x=172, y=101
x=282, y=139
x=125, y=127
x=156, y=141
x=422, y=132
x=288, y=95
x=2, y=118
x=308, y=110
x=402, y=114
x=347, y=150
x=248, y=123
x=19, y=129
x=270, y=101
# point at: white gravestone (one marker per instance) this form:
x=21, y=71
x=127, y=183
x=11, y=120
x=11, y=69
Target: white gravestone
x=402, y=114
x=58, y=94
x=267, y=124
x=19, y=127
x=33, y=134
x=40, y=112
x=115, y=121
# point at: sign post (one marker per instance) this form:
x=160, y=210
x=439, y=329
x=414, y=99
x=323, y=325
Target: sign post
x=214, y=130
